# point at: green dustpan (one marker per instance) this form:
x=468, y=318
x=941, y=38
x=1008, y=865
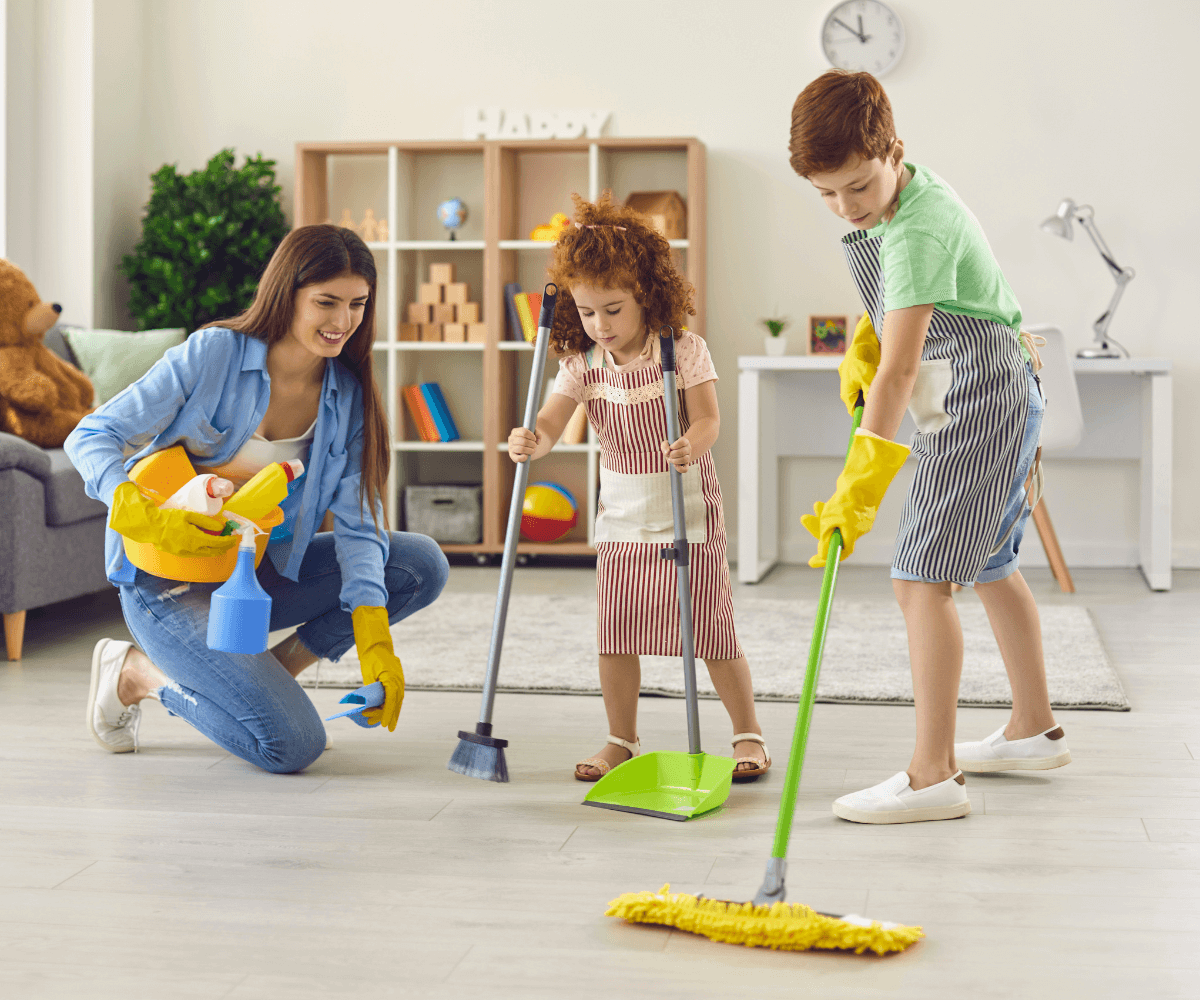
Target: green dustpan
x=671, y=784
x=667, y=784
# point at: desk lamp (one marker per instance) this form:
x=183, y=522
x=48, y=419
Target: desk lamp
x=1060, y=225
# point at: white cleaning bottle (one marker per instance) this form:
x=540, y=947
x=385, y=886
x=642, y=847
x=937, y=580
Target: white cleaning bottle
x=204, y=494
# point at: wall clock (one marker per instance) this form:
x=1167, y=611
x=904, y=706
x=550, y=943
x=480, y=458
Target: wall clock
x=863, y=35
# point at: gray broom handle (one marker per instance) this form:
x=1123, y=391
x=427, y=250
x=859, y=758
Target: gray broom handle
x=671, y=400
x=545, y=322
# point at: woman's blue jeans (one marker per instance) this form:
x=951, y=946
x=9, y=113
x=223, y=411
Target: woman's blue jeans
x=250, y=705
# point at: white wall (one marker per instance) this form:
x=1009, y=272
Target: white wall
x=119, y=179
x=1016, y=104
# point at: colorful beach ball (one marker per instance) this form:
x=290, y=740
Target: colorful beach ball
x=548, y=513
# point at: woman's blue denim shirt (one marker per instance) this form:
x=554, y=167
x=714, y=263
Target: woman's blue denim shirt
x=209, y=394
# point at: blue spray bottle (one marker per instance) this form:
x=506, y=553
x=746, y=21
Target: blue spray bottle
x=239, y=617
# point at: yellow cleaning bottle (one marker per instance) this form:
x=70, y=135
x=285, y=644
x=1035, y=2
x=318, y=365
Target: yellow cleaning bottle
x=267, y=489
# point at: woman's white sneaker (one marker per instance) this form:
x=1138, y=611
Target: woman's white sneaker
x=1035, y=753
x=894, y=801
x=113, y=725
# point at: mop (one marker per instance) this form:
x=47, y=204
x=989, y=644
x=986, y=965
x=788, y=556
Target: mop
x=767, y=921
x=479, y=754
x=668, y=784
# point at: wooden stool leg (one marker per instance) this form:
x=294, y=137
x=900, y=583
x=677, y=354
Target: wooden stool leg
x=14, y=633
x=1058, y=565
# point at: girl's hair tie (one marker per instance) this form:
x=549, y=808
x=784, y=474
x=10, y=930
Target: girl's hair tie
x=580, y=225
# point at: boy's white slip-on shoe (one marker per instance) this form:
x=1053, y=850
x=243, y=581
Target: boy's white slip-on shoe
x=1035, y=753
x=113, y=725
x=894, y=801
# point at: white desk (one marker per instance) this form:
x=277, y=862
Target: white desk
x=789, y=406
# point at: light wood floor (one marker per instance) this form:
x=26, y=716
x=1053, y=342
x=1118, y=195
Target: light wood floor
x=181, y=872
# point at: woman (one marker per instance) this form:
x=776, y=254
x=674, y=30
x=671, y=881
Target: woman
x=289, y=378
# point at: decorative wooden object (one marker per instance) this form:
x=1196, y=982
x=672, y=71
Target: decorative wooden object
x=667, y=211
x=369, y=230
x=441, y=274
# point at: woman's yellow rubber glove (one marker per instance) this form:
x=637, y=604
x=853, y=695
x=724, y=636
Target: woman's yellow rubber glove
x=870, y=468
x=174, y=531
x=379, y=662
x=858, y=367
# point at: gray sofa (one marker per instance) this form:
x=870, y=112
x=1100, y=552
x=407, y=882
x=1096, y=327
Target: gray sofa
x=51, y=532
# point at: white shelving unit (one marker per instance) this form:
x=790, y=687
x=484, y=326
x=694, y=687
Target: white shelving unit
x=509, y=188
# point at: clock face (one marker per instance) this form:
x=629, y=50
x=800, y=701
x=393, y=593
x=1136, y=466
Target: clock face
x=863, y=35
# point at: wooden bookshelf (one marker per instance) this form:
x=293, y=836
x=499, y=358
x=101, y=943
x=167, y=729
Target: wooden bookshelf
x=508, y=187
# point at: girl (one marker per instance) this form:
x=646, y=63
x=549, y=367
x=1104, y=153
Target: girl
x=617, y=291
x=289, y=378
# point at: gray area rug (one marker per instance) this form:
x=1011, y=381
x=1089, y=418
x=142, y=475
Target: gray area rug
x=550, y=647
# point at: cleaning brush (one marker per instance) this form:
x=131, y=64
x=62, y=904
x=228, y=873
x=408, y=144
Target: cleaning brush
x=479, y=754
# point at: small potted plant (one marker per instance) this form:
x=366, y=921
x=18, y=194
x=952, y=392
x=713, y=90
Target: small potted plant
x=775, y=344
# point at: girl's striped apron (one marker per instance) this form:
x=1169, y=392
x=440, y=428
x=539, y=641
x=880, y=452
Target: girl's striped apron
x=636, y=587
x=969, y=404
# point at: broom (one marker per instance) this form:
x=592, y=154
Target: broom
x=479, y=754
x=767, y=921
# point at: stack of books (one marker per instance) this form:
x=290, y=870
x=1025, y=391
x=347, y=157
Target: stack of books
x=427, y=406
x=523, y=309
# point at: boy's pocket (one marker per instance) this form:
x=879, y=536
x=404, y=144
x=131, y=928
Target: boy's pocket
x=928, y=402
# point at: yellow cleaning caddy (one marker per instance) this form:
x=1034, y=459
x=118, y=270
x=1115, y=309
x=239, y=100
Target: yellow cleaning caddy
x=161, y=474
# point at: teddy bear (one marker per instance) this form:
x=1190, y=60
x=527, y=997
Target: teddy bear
x=42, y=397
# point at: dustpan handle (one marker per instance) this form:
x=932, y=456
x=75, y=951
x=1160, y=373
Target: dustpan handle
x=515, y=508
x=679, y=551
x=816, y=650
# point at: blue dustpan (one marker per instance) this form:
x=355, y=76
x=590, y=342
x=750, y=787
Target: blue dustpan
x=369, y=696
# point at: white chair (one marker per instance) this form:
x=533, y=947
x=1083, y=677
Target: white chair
x=1062, y=430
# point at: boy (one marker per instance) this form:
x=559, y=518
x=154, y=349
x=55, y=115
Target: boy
x=951, y=351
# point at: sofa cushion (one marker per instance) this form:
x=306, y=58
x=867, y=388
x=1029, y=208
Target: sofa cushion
x=57, y=343
x=17, y=453
x=114, y=359
x=66, y=501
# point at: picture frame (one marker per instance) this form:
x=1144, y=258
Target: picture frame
x=827, y=334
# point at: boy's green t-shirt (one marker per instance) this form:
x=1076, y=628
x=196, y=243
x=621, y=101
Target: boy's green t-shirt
x=934, y=250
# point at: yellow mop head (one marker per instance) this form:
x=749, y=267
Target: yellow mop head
x=784, y=926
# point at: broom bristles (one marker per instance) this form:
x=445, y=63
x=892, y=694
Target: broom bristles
x=783, y=926
x=478, y=760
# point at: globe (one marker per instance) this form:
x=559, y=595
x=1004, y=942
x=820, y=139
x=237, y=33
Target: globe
x=451, y=214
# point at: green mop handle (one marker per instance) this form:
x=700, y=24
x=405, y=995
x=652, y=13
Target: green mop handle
x=791, y=781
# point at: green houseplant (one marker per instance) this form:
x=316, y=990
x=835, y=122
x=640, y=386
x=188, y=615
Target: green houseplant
x=206, y=238
x=775, y=344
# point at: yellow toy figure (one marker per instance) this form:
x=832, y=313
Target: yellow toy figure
x=550, y=233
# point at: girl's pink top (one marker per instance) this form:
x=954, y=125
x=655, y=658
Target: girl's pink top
x=693, y=365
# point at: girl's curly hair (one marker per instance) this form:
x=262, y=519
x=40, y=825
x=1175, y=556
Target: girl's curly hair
x=612, y=246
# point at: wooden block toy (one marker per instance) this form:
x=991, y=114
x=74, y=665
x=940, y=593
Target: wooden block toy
x=443, y=313
x=420, y=312
x=476, y=333
x=667, y=211
x=431, y=331
x=430, y=292
x=410, y=331
x=457, y=292
x=441, y=274
x=454, y=333
x=466, y=312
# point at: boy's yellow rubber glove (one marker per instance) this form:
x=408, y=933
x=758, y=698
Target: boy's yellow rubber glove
x=858, y=367
x=870, y=468
x=379, y=662
x=174, y=531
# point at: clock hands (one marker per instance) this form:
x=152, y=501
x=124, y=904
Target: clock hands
x=857, y=34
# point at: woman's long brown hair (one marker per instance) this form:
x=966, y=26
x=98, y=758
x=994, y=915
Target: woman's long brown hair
x=307, y=256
